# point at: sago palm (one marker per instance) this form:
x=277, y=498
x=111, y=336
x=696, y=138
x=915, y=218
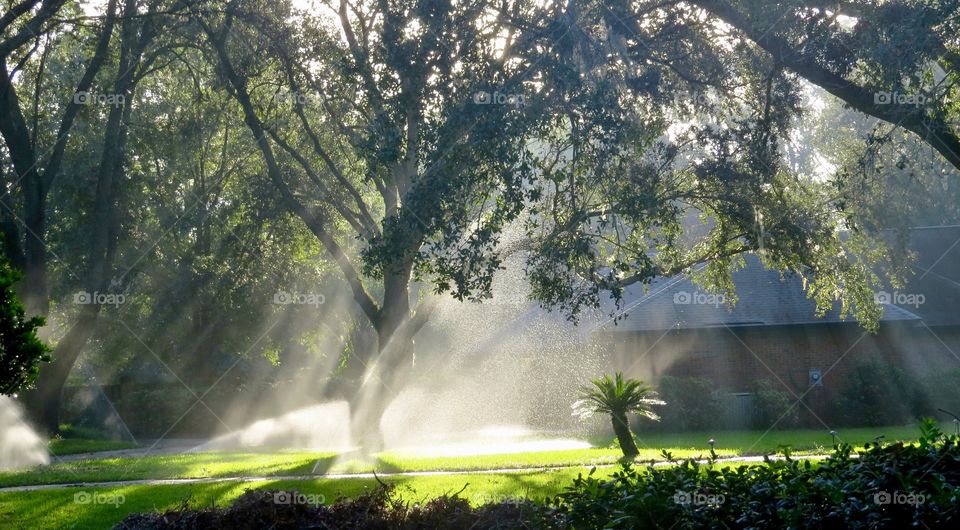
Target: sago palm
x=617, y=397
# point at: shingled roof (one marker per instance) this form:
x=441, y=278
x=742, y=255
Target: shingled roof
x=764, y=300
x=936, y=275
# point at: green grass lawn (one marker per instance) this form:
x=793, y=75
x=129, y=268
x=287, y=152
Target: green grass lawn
x=230, y=464
x=75, y=439
x=744, y=443
x=69, y=446
x=279, y=463
x=57, y=509
x=199, y=465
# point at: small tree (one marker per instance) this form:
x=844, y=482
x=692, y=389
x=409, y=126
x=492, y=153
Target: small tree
x=618, y=397
x=21, y=352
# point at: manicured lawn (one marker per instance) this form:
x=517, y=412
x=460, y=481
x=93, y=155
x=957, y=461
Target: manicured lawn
x=57, y=508
x=396, y=461
x=249, y=464
x=200, y=465
x=70, y=446
x=75, y=439
x=225, y=464
x=743, y=443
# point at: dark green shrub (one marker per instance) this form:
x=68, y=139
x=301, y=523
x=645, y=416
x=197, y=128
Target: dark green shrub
x=941, y=388
x=21, y=352
x=155, y=410
x=876, y=393
x=773, y=406
x=693, y=403
x=884, y=487
x=379, y=508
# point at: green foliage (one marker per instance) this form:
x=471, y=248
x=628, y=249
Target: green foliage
x=692, y=403
x=617, y=396
x=876, y=393
x=773, y=406
x=941, y=388
x=624, y=201
x=382, y=507
x=21, y=352
x=155, y=411
x=887, y=487
x=647, y=145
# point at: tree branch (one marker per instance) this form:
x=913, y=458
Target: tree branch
x=935, y=131
x=314, y=223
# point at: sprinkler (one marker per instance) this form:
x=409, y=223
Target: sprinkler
x=712, y=442
x=956, y=420
x=833, y=434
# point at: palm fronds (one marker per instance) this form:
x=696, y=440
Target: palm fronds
x=617, y=396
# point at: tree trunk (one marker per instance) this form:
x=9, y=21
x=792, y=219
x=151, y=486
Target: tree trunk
x=45, y=407
x=384, y=371
x=382, y=368
x=105, y=230
x=31, y=254
x=13, y=128
x=622, y=429
x=37, y=301
x=44, y=402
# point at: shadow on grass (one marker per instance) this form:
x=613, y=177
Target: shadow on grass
x=59, y=508
x=98, y=508
x=384, y=465
x=195, y=465
x=320, y=467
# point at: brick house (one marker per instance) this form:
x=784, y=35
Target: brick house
x=773, y=333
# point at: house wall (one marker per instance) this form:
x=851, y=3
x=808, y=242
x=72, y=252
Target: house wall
x=737, y=357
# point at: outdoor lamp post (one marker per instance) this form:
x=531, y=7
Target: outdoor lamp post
x=956, y=420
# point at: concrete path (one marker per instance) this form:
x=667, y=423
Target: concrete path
x=339, y=476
